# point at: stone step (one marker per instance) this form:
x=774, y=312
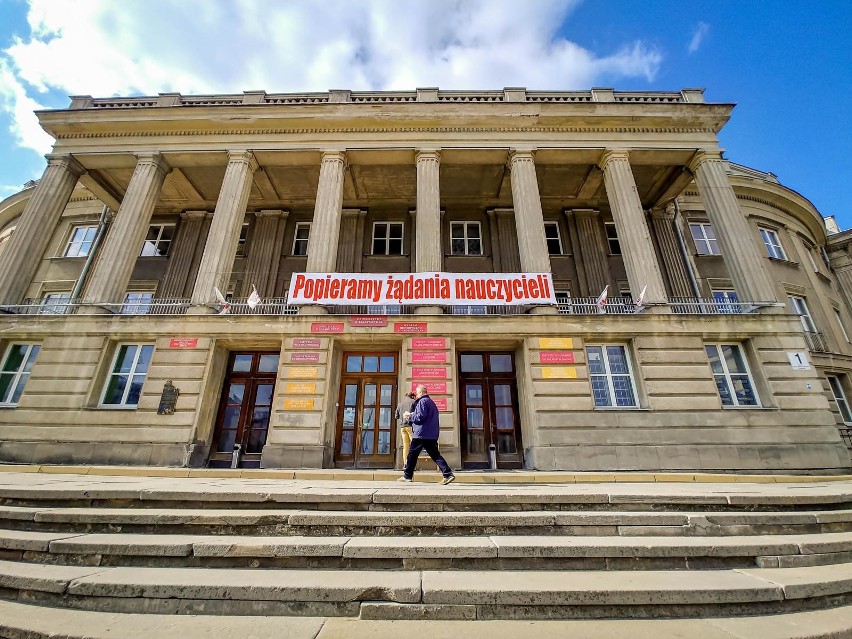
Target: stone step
x=414, y=553
x=440, y=594
x=20, y=621
x=425, y=523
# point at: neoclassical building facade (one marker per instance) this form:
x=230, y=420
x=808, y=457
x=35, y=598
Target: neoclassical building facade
x=581, y=280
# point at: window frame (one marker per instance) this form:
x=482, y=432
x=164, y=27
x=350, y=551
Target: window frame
x=111, y=372
x=297, y=239
x=558, y=239
x=158, y=241
x=66, y=252
x=132, y=307
x=609, y=375
x=612, y=241
x=467, y=238
x=800, y=308
x=840, y=323
x=839, y=389
x=242, y=241
x=51, y=300
x=774, y=249
x=727, y=375
x=707, y=241
x=23, y=371
x=388, y=224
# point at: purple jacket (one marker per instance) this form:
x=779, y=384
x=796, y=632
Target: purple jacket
x=424, y=419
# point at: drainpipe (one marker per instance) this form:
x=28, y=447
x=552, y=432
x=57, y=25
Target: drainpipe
x=684, y=253
x=103, y=223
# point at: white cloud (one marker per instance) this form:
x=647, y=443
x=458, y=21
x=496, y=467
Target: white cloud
x=104, y=48
x=698, y=37
x=19, y=106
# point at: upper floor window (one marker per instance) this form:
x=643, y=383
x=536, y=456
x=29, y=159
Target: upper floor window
x=387, y=238
x=55, y=304
x=137, y=303
x=553, y=237
x=80, y=242
x=840, y=324
x=127, y=374
x=730, y=372
x=840, y=398
x=465, y=238
x=800, y=308
x=705, y=239
x=300, y=238
x=241, y=242
x=611, y=376
x=772, y=243
x=158, y=241
x=17, y=364
x=612, y=239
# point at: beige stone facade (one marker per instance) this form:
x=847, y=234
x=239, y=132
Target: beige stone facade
x=111, y=262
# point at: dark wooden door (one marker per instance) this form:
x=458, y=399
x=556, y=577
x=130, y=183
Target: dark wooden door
x=366, y=429
x=488, y=394
x=244, y=409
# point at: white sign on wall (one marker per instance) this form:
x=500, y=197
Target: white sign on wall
x=799, y=360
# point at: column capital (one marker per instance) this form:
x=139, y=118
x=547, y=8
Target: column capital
x=666, y=212
x=353, y=213
x=194, y=215
x=522, y=153
x=612, y=154
x=245, y=156
x=66, y=161
x=156, y=159
x=272, y=213
x=703, y=156
x=583, y=212
x=501, y=212
x=427, y=155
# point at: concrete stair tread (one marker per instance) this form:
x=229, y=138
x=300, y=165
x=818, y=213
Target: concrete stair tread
x=20, y=620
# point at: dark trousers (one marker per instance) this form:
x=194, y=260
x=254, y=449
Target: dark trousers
x=431, y=446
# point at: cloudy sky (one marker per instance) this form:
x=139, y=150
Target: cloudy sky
x=786, y=64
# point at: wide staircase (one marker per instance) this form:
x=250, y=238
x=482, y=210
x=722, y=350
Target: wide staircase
x=281, y=551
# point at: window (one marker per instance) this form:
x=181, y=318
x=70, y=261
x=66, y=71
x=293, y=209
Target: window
x=612, y=239
x=554, y=240
x=80, y=242
x=387, y=238
x=809, y=249
x=611, y=377
x=16, y=371
x=726, y=301
x=773, y=244
x=129, y=368
x=465, y=238
x=300, y=238
x=840, y=324
x=158, y=240
x=563, y=302
x=241, y=242
x=731, y=375
x=137, y=303
x=840, y=398
x=800, y=308
x=705, y=239
x=55, y=304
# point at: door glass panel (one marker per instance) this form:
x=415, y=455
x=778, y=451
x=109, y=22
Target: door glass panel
x=475, y=442
x=227, y=439
x=260, y=417
x=242, y=363
x=367, y=442
x=501, y=363
x=263, y=396
x=371, y=364
x=257, y=440
x=471, y=364
x=235, y=395
x=353, y=364
x=349, y=417
x=386, y=365
x=505, y=418
x=346, y=440
x=384, y=443
x=369, y=394
x=387, y=395
x=369, y=421
x=474, y=418
x=351, y=395
x=502, y=395
x=385, y=418
x=506, y=444
x=268, y=363
x=473, y=395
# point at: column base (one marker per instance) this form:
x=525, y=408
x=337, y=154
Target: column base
x=313, y=310
x=296, y=456
x=94, y=309
x=428, y=310
x=543, y=310
x=200, y=309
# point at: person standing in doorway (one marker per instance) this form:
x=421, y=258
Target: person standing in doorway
x=403, y=407
x=425, y=429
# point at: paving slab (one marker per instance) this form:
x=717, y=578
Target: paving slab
x=295, y=546
x=581, y=587
x=620, y=518
x=126, y=544
x=420, y=548
x=808, y=581
x=251, y=584
x=27, y=540
x=41, y=577
x=200, y=516
x=436, y=519
x=18, y=513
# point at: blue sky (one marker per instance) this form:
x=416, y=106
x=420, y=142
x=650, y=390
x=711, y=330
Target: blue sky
x=785, y=64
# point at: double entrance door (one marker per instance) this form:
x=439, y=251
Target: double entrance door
x=489, y=409
x=243, y=417
x=366, y=428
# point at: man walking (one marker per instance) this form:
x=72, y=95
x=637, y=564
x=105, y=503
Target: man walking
x=403, y=407
x=425, y=428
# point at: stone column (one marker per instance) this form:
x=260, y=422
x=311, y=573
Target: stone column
x=637, y=249
x=28, y=243
x=592, y=250
x=325, y=228
x=351, y=251
x=221, y=247
x=187, y=239
x=123, y=242
x=429, y=254
x=504, y=241
x=662, y=219
x=529, y=220
x=733, y=232
x=264, y=254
